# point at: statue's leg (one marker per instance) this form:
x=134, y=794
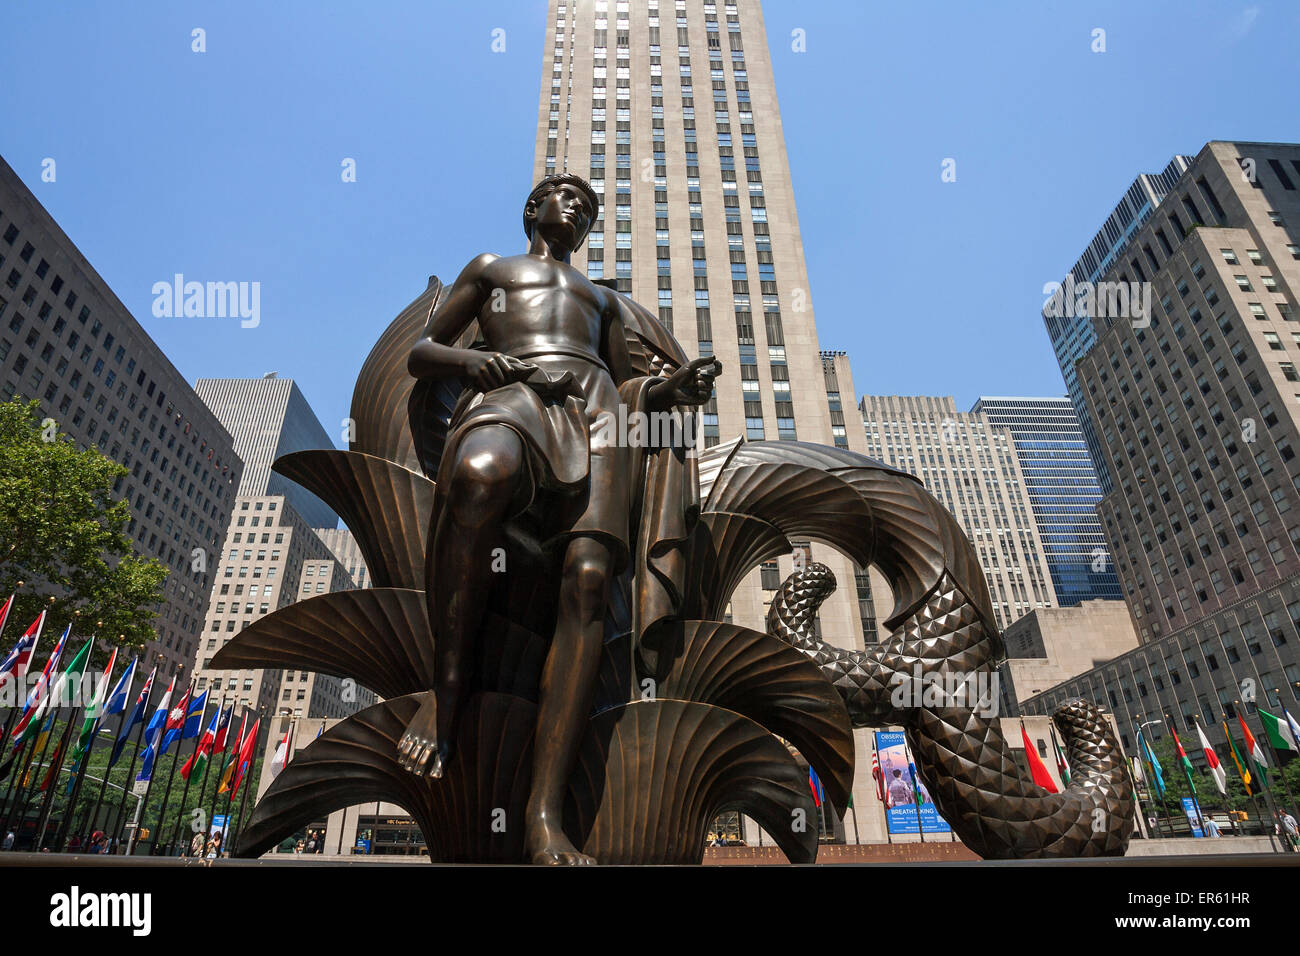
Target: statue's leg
x=484, y=478
x=565, y=698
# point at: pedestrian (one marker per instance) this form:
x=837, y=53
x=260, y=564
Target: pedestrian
x=9, y=841
x=1291, y=827
x=214, y=846
x=1212, y=828
x=196, y=846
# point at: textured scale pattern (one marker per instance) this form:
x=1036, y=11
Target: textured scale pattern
x=961, y=755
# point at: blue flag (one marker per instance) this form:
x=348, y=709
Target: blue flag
x=137, y=715
x=193, y=722
x=116, y=702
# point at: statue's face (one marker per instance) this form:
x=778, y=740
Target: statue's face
x=563, y=215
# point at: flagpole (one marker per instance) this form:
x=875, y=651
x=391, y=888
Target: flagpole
x=26, y=793
x=1188, y=774
x=130, y=773
x=1165, y=818
x=148, y=787
x=1287, y=845
x=207, y=764
x=27, y=750
x=1242, y=768
x=216, y=789
x=916, y=786
x=56, y=767
x=185, y=794
x=1277, y=758
x=79, y=770
x=1264, y=789
x=881, y=790
x=228, y=829
x=171, y=775
x=88, y=824
x=258, y=747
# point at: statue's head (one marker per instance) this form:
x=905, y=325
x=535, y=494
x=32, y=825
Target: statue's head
x=564, y=206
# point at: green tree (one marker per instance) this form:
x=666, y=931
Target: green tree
x=63, y=534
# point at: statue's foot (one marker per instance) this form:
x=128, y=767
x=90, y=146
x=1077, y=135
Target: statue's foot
x=419, y=750
x=551, y=848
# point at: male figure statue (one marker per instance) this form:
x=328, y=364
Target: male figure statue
x=547, y=390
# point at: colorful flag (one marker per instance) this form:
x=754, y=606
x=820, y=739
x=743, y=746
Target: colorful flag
x=1187, y=763
x=1291, y=722
x=1216, y=771
x=1157, y=772
x=137, y=715
x=42, y=683
x=814, y=782
x=245, y=758
x=153, y=732
x=1036, y=766
x=199, y=759
x=1253, y=751
x=1278, y=732
x=227, y=775
x=917, y=797
x=116, y=702
x=185, y=718
x=281, y=757
x=61, y=694
x=91, y=724
x=1062, y=768
x=219, y=744
x=4, y=614
x=877, y=776
x=1242, y=770
x=14, y=667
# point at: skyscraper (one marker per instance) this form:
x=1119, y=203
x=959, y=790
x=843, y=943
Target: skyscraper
x=1061, y=484
x=269, y=417
x=1198, y=411
x=698, y=215
x=1072, y=335
x=698, y=221
x=274, y=556
x=971, y=467
x=68, y=342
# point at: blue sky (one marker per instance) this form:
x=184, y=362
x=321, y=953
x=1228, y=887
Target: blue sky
x=225, y=165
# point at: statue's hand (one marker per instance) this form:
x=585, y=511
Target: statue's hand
x=496, y=369
x=692, y=384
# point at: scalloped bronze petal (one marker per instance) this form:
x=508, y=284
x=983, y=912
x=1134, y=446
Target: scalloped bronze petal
x=756, y=675
x=377, y=636
x=652, y=775
x=355, y=761
x=724, y=548
x=386, y=507
x=383, y=388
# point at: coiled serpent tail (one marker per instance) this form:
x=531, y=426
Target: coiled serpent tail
x=957, y=741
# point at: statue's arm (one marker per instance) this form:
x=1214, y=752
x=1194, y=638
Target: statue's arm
x=433, y=356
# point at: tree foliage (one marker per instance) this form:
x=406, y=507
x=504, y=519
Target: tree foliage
x=63, y=533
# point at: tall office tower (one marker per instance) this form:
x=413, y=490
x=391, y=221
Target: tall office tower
x=269, y=417
x=273, y=557
x=1199, y=412
x=698, y=217
x=68, y=342
x=1072, y=334
x=972, y=468
x=1061, y=483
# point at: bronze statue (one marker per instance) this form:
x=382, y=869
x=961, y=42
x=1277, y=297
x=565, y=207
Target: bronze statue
x=545, y=621
x=548, y=382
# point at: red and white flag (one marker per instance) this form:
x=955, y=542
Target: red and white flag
x=1211, y=758
x=281, y=757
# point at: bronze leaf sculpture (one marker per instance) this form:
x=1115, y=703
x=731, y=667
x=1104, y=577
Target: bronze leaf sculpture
x=545, y=625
